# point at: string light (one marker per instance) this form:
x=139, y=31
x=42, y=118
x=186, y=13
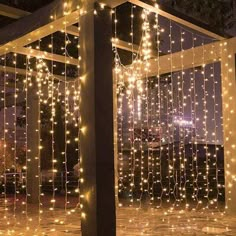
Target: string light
x=24, y=178
x=52, y=119
x=5, y=140
x=154, y=108
x=168, y=173
x=15, y=136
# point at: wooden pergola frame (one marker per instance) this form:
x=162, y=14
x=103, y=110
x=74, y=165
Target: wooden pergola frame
x=18, y=45
x=223, y=50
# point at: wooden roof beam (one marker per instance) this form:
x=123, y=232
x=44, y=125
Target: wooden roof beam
x=184, y=20
x=172, y=15
x=38, y=25
x=16, y=13
x=73, y=30
x=20, y=71
x=127, y=46
x=10, y=98
x=191, y=58
x=12, y=12
x=112, y=3
x=46, y=55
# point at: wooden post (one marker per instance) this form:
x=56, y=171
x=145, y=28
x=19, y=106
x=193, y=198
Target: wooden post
x=115, y=140
x=33, y=160
x=229, y=122
x=97, y=153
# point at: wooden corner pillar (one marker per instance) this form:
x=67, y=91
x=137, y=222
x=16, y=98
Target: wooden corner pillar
x=33, y=158
x=97, y=153
x=229, y=122
x=115, y=132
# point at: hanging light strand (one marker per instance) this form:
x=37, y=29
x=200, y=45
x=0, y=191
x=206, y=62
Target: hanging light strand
x=5, y=139
x=15, y=135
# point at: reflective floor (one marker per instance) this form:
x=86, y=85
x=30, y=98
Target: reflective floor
x=130, y=222
x=155, y=222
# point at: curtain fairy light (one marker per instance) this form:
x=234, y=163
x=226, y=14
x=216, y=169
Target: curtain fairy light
x=132, y=118
x=52, y=131
x=39, y=94
x=78, y=118
x=206, y=176
x=182, y=117
x=15, y=136
x=5, y=141
x=195, y=105
x=214, y=134
x=27, y=81
x=173, y=159
x=164, y=122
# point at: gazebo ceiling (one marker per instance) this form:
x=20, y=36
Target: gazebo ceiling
x=26, y=5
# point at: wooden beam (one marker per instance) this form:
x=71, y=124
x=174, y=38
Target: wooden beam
x=172, y=15
x=191, y=57
x=34, y=73
x=112, y=3
x=46, y=55
x=12, y=12
x=125, y=45
x=38, y=25
x=10, y=98
x=96, y=109
x=16, y=13
x=228, y=71
x=73, y=30
x=186, y=22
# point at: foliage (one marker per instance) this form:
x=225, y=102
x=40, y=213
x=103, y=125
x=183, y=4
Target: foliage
x=9, y=157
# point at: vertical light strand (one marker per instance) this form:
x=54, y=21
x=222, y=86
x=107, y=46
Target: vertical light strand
x=26, y=141
x=53, y=113
x=195, y=105
x=40, y=93
x=78, y=99
x=15, y=136
x=146, y=45
x=169, y=121
x=132, y=183
x=206, y=189
x=216, y=149
x=192, y=164
x=173, y=161
x=119, y=117
x=4, y=139
x=193, y=124
x=183, y=151
x=225, y=76
x=159, y=187
x=141, y=134
x=147, y=54
x=152, y=139
x=179, y=173
x=66, y=91
x=130, y=97
x=167, y=139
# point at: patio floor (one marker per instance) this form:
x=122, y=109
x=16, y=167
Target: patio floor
x=130, y=222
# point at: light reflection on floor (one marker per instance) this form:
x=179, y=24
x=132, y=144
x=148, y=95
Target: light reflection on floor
x=130, y=222
x=154, y=222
